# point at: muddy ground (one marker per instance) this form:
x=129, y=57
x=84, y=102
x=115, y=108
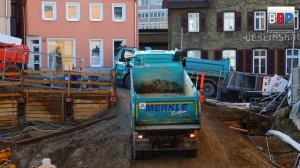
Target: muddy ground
x=106, y=144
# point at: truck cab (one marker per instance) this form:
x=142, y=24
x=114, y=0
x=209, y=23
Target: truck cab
x=123, y=64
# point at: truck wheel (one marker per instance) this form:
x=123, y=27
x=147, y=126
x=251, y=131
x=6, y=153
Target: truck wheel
x=127, y=82
x=209, y=89
x=12, y=69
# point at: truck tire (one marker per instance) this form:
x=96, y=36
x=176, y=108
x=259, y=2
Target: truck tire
x=209, y=89
x=12, y=69
x=127, y=82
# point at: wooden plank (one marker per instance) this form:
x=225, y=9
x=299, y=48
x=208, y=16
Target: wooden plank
x=45, y=119
x=50, y=116
x=86, y=101
x=101, y=92
x=10, y=94
x=49, y=103
x=88, y=106
x=10, y=73
x=4, y=110
x=8, y=105
x=2, y=101
x=42, y=108
x=8, y=114
x=90, y=109
x=65, y=73
x=10, y=83
x=66, y=82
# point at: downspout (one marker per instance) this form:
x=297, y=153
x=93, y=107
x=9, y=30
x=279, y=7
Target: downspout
x=24, y=21
x=135, y=25
x=6, y=15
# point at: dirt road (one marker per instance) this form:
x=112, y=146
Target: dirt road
x=106, y=145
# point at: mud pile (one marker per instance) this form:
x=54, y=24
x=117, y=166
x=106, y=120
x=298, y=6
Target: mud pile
x=158, y=86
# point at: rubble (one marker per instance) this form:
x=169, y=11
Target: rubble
x=158, y=86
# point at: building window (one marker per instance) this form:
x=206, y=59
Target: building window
x=193, y=53
x=49, y=10
x=143, y=2
x=193, y=22
x=289, y=55
x=96, y=53
x=231, y=54
x=260, y=20
x=260, y=61
x=296, y=19
x=73, y=11
x=62, y=54
x=229, y=21
x=96, y=11
x=119, y=12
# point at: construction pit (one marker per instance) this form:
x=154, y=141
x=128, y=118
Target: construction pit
x=229, y=137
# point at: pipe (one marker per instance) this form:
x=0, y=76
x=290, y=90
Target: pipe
x=135, y=25
x=6, y=15
x=285, y=138
x=6, y=8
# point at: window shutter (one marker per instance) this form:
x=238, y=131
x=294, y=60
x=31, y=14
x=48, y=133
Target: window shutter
x=238, y=21
x=281, y=61
x=271, y=61
x=240, y=60
x=219, y=21
x=204, y=54
x=202, y=22
x=249, y=60
x=218, y=54
x=184, y=22
x=250, y=20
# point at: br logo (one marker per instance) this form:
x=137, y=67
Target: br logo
x=281, y=19
x=142, y=106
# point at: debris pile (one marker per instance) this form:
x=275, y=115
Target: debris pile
x=5, y=161
x=158, y=86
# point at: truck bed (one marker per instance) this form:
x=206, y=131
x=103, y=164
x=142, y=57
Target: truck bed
x=162, y=94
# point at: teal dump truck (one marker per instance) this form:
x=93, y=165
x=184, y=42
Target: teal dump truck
x=214, y=70
x=165, y=109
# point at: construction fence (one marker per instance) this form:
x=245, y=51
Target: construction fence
x=54, y=96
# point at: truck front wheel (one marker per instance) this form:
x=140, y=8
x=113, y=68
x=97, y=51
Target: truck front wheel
x=127, y=82
x=12, y=69
x=209, y=89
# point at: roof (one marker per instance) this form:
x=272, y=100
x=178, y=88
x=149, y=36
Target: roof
x=186, y=3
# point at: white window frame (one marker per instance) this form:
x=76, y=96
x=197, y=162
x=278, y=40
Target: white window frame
x=49, y=3
x=297, y=18
x=230, y=59
x=262, y=15
x=32, y=53
x=100, y=6
x=290, y=57
x=227, y=18
x=101, y=62
x=196, y=18
x=113, y=48
x=193, y=51
x=77, y=5
x=74, y=48
x=259, y=62
x=123, y=5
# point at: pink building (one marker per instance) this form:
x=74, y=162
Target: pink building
x=86, y=32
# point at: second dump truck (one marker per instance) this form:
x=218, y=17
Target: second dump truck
x=165, y=109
